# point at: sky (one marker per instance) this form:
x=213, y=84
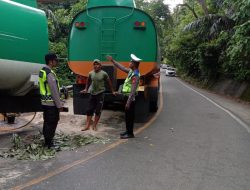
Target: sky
x=173, y=3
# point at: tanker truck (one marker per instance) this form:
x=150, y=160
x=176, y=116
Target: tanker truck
x=23, y=44
x=116, y=28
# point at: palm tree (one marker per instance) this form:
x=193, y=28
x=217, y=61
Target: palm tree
x=210, y=25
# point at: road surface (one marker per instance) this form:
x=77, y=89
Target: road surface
x=193, y=144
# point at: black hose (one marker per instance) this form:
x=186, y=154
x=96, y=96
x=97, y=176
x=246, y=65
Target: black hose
x=13, y=129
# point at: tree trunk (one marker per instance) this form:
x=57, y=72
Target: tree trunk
x=204, y=6
x=190, y=8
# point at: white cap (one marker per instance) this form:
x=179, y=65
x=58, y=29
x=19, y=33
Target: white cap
x=97, y=61
x=134, y=58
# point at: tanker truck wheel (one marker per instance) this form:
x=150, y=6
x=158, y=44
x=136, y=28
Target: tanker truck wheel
x=153, y=99
x=153, y=106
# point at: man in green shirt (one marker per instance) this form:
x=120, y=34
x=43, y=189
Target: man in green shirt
x=96, y=86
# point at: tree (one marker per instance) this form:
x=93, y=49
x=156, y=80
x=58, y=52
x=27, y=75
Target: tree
x=204, y=6
x=190, y=8
x=218, y=42
x=211, y=25
x=60, y=14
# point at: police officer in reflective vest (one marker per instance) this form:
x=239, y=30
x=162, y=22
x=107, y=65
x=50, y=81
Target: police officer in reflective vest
x=129, y=89
x=50, y=98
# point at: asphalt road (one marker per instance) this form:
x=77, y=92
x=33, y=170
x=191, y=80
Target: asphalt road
x=192, y=145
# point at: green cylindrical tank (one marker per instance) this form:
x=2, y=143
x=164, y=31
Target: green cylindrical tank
x=23, y=44
x=114, y=28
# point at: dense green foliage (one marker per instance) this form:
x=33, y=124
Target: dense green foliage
x=60, y=16
x=204, y=39
x=212, y=45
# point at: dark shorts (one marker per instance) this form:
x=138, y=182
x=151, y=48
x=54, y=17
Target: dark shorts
x=95, y=104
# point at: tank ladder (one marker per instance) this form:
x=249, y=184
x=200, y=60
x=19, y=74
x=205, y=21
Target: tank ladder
x=108, y=37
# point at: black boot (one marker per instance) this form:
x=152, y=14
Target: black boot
x=123, y=133
x=127, y=136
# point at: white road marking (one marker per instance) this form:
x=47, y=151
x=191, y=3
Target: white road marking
x=242, y=123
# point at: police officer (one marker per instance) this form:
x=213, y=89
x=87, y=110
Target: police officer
x=129, y=89
x=50, y=98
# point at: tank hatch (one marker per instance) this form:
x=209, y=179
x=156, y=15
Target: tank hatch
x=100, y=3
x=30, y=3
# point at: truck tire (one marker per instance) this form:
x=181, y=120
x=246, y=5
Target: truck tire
x=153, y=106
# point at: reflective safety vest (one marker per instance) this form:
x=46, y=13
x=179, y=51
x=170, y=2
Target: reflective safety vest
x=43, y=84
x=127, y=86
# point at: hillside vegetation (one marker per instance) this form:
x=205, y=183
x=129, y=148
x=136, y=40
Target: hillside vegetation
x=206, y=40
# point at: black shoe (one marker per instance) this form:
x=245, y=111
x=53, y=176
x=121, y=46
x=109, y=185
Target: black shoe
x=47, y=145
x=127, y=136
x=54, y=147
x=123, y=133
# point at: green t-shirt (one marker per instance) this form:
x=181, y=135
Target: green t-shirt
x=98, y=82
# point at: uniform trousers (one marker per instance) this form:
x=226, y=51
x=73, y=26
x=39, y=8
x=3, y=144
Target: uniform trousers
x=130, y=117
x=51, y=118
